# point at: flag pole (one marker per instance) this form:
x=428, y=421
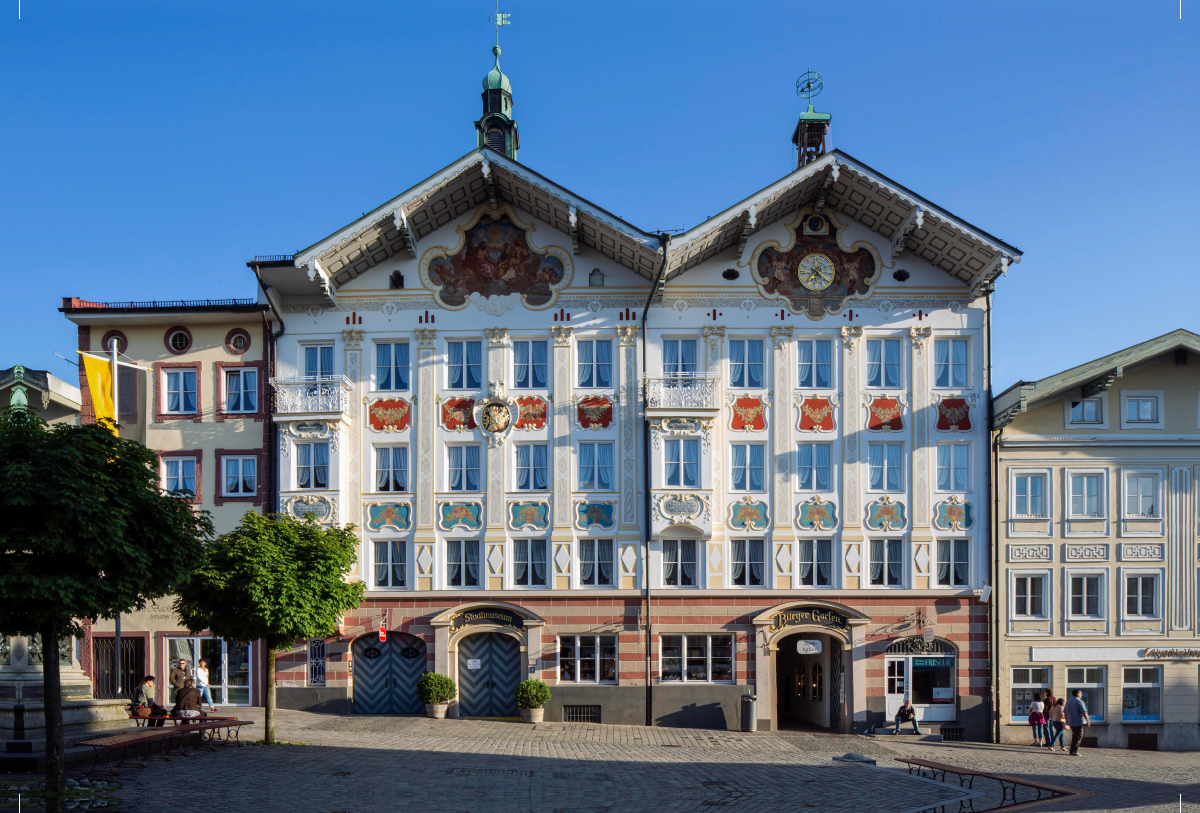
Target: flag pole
x=112, y=345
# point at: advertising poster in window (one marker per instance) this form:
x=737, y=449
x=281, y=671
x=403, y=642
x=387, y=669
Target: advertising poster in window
x=933, y=681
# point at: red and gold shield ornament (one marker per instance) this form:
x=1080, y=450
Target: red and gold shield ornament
x=531, y=413
x=953, y=415
x=749, y=414
x=885, y=415
x=594, y=412
x=458, y=413
x=389, y=415
x=816, y=415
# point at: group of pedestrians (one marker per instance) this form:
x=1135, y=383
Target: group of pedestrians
x=1050, y=716
x=190, y=694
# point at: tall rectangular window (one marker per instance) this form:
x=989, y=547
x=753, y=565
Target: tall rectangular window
x=390, y=564
x=463, y=468
x=533, y=473
x=587, y=658
x=1085, y=596
x=1141, y=694
x=816, y=562
x=391, y=365
x=887, y=562
x=950, y=363
x=883, y=362
x=391, y=468
x=180, y=474
x=241, y=390
x=318, y=362
x=1029, y=596
x=748, y=467
x=747, y=562
x=1139, y=596
x=746, y=363
x=1029, y=495
x=462, y=563
x=312, y=465
x=595, y=466
x=126, y=393
x=681, y=462
x=696, y=658
x=529, y=562
x=812, y=467
x=595, y=562
x=464, y=365
x=679, y=562
x=816, y=363
x=181, y=391
x=595, y=363
x=1086, y=496
x=884, y=467
x=953, y=466
x=954, y=565
x=1140, y=493
x=241, y=476
x=529, y=365
x=679, y=357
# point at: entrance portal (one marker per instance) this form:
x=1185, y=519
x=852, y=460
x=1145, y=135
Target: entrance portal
x=810, y=681
x=489, y=668
x=386, y=674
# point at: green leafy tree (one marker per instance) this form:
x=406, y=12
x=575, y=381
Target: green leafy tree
x=85, y=532
x=274, y=579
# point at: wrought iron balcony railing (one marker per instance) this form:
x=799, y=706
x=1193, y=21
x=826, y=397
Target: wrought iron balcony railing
x=303, y=396
x=682, y=391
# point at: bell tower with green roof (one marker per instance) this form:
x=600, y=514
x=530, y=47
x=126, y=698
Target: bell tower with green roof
x=496, y=128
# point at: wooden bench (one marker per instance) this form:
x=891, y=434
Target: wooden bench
x=1008, y=784
x=208, y=732
x=140, y=722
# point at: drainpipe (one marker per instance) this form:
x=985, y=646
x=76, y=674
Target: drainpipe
x=664, y=241
x=994, y=564
x=272, y=477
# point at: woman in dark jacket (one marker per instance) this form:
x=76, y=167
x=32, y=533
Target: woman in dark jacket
x=187, y=701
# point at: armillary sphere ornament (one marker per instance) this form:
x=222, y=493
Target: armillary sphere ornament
x=809, y=85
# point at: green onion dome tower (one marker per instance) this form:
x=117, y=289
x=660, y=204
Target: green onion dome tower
x=496, y=128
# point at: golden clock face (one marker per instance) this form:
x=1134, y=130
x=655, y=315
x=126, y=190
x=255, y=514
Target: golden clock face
x=816, y=272
x=496, y=418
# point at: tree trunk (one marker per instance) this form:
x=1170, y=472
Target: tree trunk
x=52, y=706
x=269, y=722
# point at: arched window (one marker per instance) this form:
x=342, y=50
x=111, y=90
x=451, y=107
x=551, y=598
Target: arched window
x=917, y=646
x=596, y=278
x=818, y=682
x=495, y=139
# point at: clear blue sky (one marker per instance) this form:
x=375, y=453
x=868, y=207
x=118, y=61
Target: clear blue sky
x=150, y=148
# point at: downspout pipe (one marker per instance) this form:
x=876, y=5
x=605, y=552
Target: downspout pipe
x=664, y=242
x=994, y=563
x=273, y=434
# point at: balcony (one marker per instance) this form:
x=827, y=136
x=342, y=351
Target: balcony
x=312, y=396
x=682, y=393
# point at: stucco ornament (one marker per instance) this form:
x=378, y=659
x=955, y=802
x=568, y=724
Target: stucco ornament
x=494, y=414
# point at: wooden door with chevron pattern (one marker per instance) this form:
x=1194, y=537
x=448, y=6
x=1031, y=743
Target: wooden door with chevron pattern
x=386, y=673
x=488, y=689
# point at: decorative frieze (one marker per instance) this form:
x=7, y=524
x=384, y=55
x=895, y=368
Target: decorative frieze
x=1029, y=553
x=1141, y=551
x=1086, y=553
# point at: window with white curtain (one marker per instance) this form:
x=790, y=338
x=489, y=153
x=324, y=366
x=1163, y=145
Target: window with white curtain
x=883, y=362
x=595, y=466
x=529, y=365
x=747, y=562
x=463, y=468
x=594, y=359
x=462, y=563
x=312, y=465
x=748, y=467
x=812, y=467
x=679, y=562
x=529, y=562
x=816, y=363
x=815, y=562
x=746, y=363
x=390, y=563
x=241, y=390
x=391, y=365
x=533, y=473
x=318, y=362
x=464, y=365
x=885, y=471
x=596, y=562
x=241, y=476
x=391, y=468
x=887, y=562
x=679, y=357
x=950, y=362
x=181, y=391
x=1087, y=498
x=953, y=562
x=681, y=462
x=180, y=474
x=953, y=466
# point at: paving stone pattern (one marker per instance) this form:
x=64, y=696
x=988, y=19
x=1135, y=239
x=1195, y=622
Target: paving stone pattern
x=361, y=764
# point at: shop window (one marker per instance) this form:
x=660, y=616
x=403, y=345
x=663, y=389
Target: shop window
x=228, y=667
x=1027, y=681
x=1090, y=681
x=933, y=680
x=1140, y=694
x=587, y=659
x=696, y=658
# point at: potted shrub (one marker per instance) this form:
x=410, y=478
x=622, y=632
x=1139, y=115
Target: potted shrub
x=532, y=695
x=436, y=691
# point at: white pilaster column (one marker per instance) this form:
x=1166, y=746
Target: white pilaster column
x=494, y=537
x=629, y=534
x=425, y=482
x=716, y=560
x=853, y=552
x=783, y=533
x=351, y=494
x=561, y=536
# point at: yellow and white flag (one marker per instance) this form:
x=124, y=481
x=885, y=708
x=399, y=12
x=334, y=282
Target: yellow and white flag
x=99, y=374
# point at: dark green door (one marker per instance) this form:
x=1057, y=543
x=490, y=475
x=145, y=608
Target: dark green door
x=489, y=668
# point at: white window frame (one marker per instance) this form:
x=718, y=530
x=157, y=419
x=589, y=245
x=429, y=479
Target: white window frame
x=662, y=358
x=1047, y=503
x=700, y=564
x=1160, y=405
x=766, y=468
x=1076, y=525
x=483, y=364
x=407, y=563
x=745, y=364
x=375, y=447
x=667, y=444
x=575, y=641
x=1143, y=684
x=952, y=548
x=746, y=561
x=462, y=563
x=833, y=363
x=1101, y=400
x=394, y=367
x=547, y=564
x=902, y=384
x=708, y=657
x=951, y=446
x=167, y=460
x=1045, y=620
x=595, y=444
x=303, y=370
x=812, y=468
x=449, y=467
x=1096, y=689
x=312, y=464
x=1158, y=615
x=530, y=340
x=904, y=559
x=240, y=374
x=966, y=385
x=595, y=365
x=1160, y=477
x=595, y=562
x=1101, y=475
x=182, y=372
x=1027, y=686
x=815, y=572
x=903, y=466
x=1103, y=595
x=242, y=460
x=532, y=481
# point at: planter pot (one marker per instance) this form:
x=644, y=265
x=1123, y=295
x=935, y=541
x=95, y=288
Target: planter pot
x=436, y=710
x=532, y=715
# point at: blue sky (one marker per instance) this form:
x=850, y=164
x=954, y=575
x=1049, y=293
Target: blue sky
x=151, y=148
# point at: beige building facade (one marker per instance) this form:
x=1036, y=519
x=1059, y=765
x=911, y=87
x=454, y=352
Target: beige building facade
x=1096, y=545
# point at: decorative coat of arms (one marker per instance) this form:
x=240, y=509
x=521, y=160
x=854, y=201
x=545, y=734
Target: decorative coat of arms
x=595, y=515
x=885, y=514
x=749, y=515
x=458, y=414
x=885, y=414
x=495, y=414
x=953, y=415
x=954, y=515
x=529, y=516
x=389, y=414
x=816, y=514
x=467, y=515
x=531, y=412
x=748, y=414
x=395, y=515
x=594, y=412
x=817, y=413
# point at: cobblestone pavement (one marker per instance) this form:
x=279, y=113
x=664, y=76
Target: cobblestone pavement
x=361, y=764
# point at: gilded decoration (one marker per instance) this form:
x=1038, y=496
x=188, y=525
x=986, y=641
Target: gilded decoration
x=748, y=514
x=458, y=414
x=532, y=515
x=816, y=514
x=467, y=515
x=496, y=266
x=591, y=514
x=817, y=413
x=494, y=415
x=885, y=514
x=531, y=412
x=389, y=414
x=677, y=509
x=594, y=412
x=953, y=415
x=816, y=274
x=954, y=515
x=394, y=515
x=748, y=413
x=884, y=413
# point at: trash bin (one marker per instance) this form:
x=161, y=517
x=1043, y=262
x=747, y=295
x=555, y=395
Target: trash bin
x=749, y=712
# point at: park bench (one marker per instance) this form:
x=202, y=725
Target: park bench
x=207, y=730
x=140, y=722
x=1008, y=784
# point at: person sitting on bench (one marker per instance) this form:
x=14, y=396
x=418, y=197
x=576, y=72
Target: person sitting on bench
x=143, y=705
x=905, y=714
x=187, y=701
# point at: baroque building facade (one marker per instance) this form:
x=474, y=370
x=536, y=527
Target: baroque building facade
x=659, y=473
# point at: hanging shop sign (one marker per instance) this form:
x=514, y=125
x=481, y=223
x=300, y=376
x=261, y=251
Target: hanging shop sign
x=808, y=646
x=383, y=633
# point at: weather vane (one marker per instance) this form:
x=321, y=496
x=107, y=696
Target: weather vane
x=809, y=85
x=498, y=20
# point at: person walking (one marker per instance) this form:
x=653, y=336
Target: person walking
x=187, y=701
x=1037, y=719
x=905, y=714
x=144, y=705
x=202, y=683
x=1055, y=722
x=1077, y=719
x=1048, y=701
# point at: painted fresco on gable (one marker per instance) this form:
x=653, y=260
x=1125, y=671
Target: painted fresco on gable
x=815, y=274
x=495, y=265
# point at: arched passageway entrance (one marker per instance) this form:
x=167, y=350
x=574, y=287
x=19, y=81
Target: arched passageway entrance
x=810, y=682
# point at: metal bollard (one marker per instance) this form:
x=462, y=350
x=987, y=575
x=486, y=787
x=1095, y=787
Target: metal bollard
x=749, y=712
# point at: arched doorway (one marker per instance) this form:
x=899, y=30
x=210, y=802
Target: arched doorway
x=386, y=674
x=489, y=669
x=810, y=680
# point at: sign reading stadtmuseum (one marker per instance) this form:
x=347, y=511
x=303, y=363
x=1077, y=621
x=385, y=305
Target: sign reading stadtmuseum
x=809, y=615
x=487, y=615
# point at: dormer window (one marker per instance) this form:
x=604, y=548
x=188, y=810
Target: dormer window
x=1086, y=411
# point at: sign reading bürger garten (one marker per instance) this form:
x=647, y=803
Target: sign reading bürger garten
x=487, y=615
x=809, y=615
